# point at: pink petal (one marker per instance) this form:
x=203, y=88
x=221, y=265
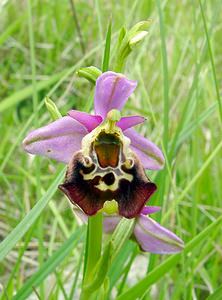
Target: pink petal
x=150, y=155
x=112, y=91
x=127, y=122
x=147, y=210
x=154, y=238
x=110, y=222
x=89, y=121
x=58, y=140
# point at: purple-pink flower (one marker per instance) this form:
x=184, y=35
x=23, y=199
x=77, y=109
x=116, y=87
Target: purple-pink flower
x=60, y=139
x=150, y=235
x=106, y=157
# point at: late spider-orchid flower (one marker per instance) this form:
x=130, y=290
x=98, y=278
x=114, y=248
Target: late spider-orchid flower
x=105, y=156
x=150, y=235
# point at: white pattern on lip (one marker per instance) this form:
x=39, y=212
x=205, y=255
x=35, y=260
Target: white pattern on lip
x=125, y=160
x=106, y=151
x=118, y=172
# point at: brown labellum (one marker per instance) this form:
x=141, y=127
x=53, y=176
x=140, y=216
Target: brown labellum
x=105, y=174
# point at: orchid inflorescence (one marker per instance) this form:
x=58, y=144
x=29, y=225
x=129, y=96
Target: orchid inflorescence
x=106, y=159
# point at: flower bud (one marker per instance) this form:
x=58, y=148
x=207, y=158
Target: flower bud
x=52, y=109
x=141, y=26
x=90, y=73
x=137, y=38
x=127, y=40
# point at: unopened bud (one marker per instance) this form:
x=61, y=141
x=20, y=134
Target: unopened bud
x=52, y=109
x=89, y=73
x=137, y=38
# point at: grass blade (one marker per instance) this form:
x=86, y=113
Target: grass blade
x=11, y=29
x=18, y=232
x=211, y=59
x=217, y=295
x=21, y=95
x=50, y=265
x=105, y=65
x=165, y=76
x=142, y=287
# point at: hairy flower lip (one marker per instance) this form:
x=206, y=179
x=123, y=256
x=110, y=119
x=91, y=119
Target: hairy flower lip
x=63, y=138
x=108, y=150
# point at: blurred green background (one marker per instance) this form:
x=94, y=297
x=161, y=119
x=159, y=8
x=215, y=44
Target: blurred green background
x=178, y=69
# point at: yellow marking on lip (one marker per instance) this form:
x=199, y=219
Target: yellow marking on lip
x=102, y=186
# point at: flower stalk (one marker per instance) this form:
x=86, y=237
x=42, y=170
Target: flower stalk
x=92, y=251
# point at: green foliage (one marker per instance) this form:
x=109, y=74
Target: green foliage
x=178, y=69
x=127, y=40
x=106, y=55
x=216, y=295
x=50, y=265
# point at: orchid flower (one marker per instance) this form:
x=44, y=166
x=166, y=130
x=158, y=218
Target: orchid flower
x=106, y=157
x=150, y=235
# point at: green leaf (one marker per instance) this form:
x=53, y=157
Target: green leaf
x=120, y=261
x=105, y=64
x=50, y=265
x=28, y=91
x=139, y=289
x=95, y=277
x=104, y=291
x=193, y=125
x=121, y=234
x=100, y=271
x=11, y=28
x=217, y=294
x=121, y=36
x=18, y=232
x=216, y=83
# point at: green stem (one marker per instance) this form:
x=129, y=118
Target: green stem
x=119, y=67
x=93, y=250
